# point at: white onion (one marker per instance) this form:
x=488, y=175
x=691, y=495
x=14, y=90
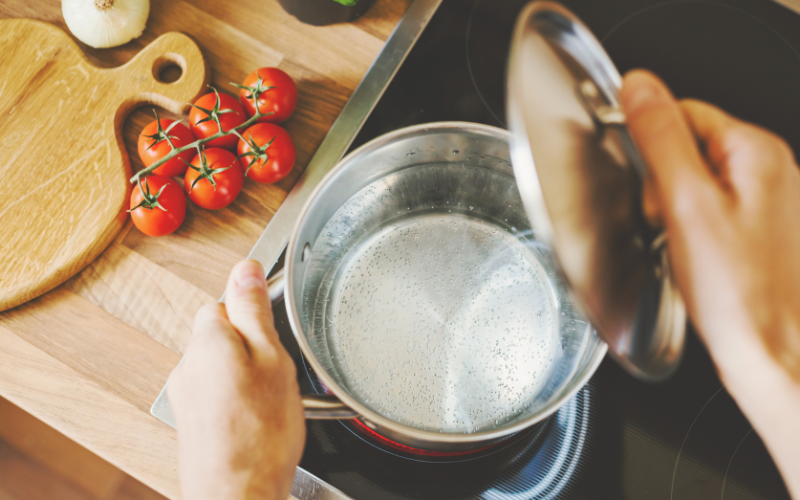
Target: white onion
x=105, y=23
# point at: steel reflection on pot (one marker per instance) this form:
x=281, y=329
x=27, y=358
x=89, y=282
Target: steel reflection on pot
x=422, y=299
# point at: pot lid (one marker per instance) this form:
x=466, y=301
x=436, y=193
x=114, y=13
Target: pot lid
x=583, y=193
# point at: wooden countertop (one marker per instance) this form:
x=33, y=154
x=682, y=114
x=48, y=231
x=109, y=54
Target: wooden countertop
x=90, y=357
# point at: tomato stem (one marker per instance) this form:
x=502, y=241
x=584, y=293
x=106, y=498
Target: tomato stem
x=161, y=134
x=176, y=151
x=256, y=90
x=205, y=171
x=256, y=151
x=149, y=201
x=213, y=113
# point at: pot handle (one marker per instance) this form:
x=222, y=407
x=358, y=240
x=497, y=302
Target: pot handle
x=326, y=407
x=316, y=406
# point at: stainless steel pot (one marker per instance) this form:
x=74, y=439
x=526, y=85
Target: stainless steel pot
x=422, y=299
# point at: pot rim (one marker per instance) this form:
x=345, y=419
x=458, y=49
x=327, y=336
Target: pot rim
x=364, y=412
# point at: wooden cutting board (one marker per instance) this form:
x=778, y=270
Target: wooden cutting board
x=64, y=169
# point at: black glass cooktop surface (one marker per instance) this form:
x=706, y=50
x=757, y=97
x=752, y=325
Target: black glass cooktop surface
x=619, y=438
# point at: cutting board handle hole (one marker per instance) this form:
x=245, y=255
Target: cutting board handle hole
x=169, y=68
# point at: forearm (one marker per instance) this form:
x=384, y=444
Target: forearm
x=769, y=397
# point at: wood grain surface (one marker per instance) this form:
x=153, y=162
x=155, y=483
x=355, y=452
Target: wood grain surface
x=38, y=462
x=63, y=164
x=90, y=356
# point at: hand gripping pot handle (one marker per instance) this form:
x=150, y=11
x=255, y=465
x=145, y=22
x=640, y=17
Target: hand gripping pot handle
x=316, y=406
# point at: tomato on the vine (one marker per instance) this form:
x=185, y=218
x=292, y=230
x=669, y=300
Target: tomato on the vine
x=275, y=91
x=157, y=140
x=266, y=152
x=221, y=106
x=214, y=179
x=158, y=205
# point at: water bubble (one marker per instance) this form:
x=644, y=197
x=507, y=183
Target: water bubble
x=416, y=301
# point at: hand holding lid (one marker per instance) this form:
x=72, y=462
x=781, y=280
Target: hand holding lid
x=583, y=193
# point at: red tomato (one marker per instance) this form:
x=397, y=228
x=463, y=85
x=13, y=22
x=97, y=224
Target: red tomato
x=158, y=205
x=276, y=91
x=267, y=152
x=230, y=115
x=219, y=165
x=153, y=145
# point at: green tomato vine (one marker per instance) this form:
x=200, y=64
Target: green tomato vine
x=213, y=114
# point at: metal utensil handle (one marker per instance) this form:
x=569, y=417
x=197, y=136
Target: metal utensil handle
x=316, y=406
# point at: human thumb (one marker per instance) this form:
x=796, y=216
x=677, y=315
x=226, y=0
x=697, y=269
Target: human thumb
x=667, y=144
x=248, y=305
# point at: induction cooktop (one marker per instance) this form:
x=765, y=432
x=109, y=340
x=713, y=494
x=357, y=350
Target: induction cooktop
x=618, y=438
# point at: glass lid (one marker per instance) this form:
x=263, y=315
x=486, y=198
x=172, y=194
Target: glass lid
x=580, y=178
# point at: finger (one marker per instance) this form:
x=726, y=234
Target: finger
x=710, y=125
x=667, y=144
x=741, y=152
x=213, y=340
x=248, y=306
x=211, y=327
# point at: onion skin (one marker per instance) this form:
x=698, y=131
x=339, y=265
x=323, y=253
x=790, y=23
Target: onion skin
x=105, y=23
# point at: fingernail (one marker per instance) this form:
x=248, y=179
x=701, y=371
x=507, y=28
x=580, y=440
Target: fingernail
x=639, y=89
x=250, y=274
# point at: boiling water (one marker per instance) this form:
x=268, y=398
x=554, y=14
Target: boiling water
x=427, y=298
x=444, y=322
